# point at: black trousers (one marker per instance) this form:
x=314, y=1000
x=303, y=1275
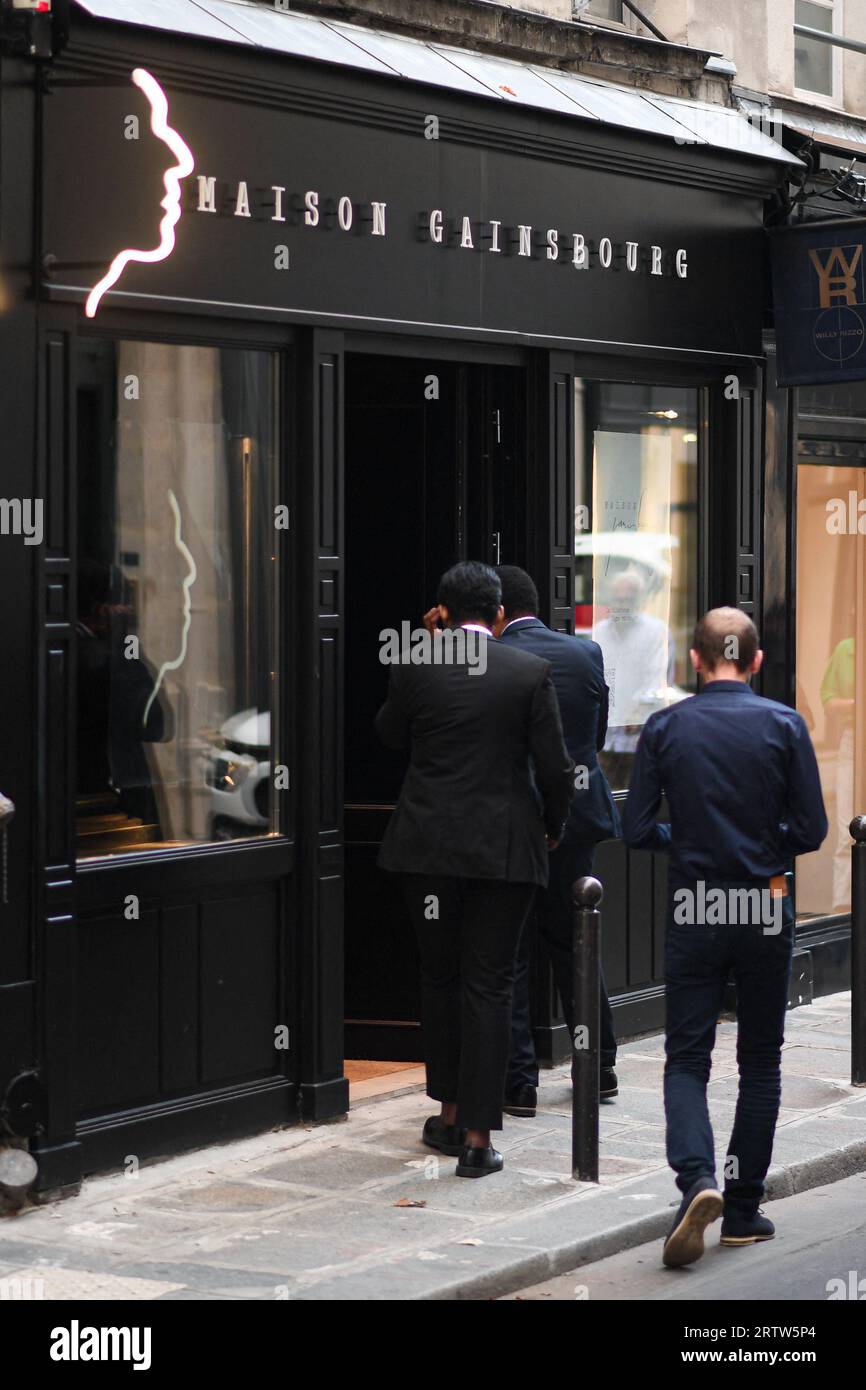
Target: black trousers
x=571, y=861
x=468, y=931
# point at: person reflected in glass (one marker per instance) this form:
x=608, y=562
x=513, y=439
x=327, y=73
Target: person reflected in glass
x=639, y=664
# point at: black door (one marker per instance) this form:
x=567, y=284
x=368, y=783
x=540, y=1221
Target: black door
x=434, y=460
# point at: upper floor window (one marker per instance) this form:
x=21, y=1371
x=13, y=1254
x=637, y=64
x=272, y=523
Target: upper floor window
x=602, y=9
x=817, y=65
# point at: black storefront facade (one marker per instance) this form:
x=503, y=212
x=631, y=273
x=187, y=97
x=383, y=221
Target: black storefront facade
x=395, y=324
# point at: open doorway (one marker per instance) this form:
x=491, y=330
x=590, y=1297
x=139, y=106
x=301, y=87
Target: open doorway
x=435, y=465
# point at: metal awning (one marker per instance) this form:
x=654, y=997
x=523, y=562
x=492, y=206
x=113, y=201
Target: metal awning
x=479, y=74
x=841, y=132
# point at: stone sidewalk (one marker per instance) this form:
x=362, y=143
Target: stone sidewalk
x=361, y=1210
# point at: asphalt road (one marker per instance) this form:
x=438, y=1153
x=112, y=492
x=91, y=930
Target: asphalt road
x=820, y=1238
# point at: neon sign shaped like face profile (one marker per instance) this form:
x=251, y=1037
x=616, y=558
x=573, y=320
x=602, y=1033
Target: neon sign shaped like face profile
x=171, y=202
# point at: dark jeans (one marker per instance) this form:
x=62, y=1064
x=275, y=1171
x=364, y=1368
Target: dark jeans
x=554, y=916
x=698, y=961
x=467, y=930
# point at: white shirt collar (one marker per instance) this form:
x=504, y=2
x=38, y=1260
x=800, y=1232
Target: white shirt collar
x=527, y=618
x=476, y=627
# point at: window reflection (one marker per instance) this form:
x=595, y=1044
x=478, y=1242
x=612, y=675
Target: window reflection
x=175, y=594
x=636, y=547
x=831, y=581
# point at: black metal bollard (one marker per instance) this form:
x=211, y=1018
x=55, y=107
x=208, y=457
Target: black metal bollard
x=858, y=951
x=586, y=894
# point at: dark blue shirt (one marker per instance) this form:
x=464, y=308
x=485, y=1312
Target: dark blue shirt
x=741, y=781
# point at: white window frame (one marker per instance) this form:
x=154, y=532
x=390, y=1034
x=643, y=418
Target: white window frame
x=627, y=25
x=835, y=98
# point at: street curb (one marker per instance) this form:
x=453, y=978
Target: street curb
x=783, y=1181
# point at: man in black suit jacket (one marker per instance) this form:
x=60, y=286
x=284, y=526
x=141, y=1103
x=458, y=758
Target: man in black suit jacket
x=578, y=677
x=485, y=797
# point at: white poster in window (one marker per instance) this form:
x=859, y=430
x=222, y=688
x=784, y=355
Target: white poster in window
x=631, y=548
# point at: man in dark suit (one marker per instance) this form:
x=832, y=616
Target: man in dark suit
x=484, y=800
x=742, y=784
x=578, y=678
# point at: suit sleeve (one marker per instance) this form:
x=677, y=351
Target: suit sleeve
x=554, y=770
x=392, y=723
x=604, y=702
x=806, y=826
x=640, y=830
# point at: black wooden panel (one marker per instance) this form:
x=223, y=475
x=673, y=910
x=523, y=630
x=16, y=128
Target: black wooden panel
x=329, y=747
x=320, y=555
x=196, y=871
x=328, y=474
x=67, y=1024
x=179, y=998
x=58, y=802
x=330, y=968
x=239, y=987
x=562, y=523
x=57, y=519
x=17, y=1027
x=640, y=918
x=59, y=1008
x=559, y=562
x=611, y=869
x=660, y=912
x=778, y=625
x=118, y=1011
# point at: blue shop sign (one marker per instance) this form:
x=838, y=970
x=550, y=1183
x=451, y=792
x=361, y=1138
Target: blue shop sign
x=819, y=297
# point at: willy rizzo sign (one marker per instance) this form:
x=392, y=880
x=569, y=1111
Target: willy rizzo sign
x=819, y=296
x=301, y=216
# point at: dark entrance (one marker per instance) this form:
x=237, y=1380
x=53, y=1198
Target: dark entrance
x=435, y=472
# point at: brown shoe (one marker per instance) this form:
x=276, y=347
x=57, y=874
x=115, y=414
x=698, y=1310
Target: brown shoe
x=702, y=1205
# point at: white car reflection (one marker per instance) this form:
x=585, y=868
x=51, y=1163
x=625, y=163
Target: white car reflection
x=238, y=776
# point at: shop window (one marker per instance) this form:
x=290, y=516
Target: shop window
x=831, y=641
x=818, y=65
x=636, y=524
x=176, y=595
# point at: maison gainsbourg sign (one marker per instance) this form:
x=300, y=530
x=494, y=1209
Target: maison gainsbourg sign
x=311, y=217
x=313, y=209
x=819, y=297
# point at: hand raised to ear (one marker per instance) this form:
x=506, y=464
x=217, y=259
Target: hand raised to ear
x=431, y=619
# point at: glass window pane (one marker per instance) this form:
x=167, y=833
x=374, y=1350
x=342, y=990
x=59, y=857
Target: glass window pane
x=176, y=594
x=831, y=632
x=605, y=9
x=813, y=59
x=636, y=545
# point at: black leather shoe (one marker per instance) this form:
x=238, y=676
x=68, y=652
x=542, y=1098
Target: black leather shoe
x=478, y=1163
x=738, y=1229
x=521, y=1101
x=608, y=1085
x=448, y=1139
x=701, y=1205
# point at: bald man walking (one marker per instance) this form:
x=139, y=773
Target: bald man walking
x=741, y=781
